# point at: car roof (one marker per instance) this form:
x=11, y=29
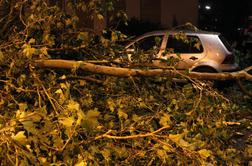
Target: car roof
x=163, y=32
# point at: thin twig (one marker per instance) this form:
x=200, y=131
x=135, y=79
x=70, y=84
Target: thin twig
x=107, y=135
x=243, y=89
x=20, y=14
x=85, y=78
x=46, y=93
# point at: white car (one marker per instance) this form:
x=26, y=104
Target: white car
x=196, y=50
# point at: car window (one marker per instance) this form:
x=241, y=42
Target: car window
x=150, y=42
x=191, y=44
x=225, y=42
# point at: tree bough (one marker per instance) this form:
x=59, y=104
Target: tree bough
x=130, y=72
x=133, y=72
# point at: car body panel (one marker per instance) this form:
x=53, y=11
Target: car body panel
x=213, y=54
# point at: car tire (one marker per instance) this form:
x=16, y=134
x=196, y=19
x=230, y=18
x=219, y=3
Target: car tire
x=220, y=85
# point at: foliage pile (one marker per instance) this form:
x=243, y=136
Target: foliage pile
x=64, y=117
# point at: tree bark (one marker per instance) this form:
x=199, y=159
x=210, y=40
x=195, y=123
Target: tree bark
x=129, y=72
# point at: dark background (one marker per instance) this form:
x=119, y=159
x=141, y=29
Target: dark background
x=229, y=17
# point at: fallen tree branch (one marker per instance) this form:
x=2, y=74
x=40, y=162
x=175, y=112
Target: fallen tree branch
x=129, y=72
x=101, y=69
x=224, y=75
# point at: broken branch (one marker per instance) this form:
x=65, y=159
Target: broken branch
x=129, y=72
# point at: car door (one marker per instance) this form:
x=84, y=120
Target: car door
x=183, y=52
x=150, y=45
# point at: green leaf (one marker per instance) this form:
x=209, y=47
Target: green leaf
x=105, y=42
x=167, y=148
x=197, y=45
x=29, y=126
x=32, y=41
x=114, y=37
x=73, y=105
x=84, y=36
x=122, y=114
x=91, y=118
x=111, y=105
x=28, y=51
x=161, y=153
x=178, y=138
x=106, y=154
x=81, y=163
x=249, y=150
x=1, y=56
x=165, y=120
x=121, y=152
x=135, y=118
x=1, y=102
x=59, y=91
x=92, y=114
x=21, y=112
x=42, y=160
x=81, y=116
x=43, y=51
x=22, y=106
x=204, y=153
x=20, y=137
x=67, y=122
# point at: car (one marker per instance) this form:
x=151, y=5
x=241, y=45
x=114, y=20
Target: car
x=200, y=51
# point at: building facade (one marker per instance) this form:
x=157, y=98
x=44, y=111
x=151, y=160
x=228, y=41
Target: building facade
x=166, y=12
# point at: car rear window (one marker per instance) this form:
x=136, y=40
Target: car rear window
x=226, y=43
x=191, y=44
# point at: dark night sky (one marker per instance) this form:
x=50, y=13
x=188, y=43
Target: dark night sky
x=225, y=16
